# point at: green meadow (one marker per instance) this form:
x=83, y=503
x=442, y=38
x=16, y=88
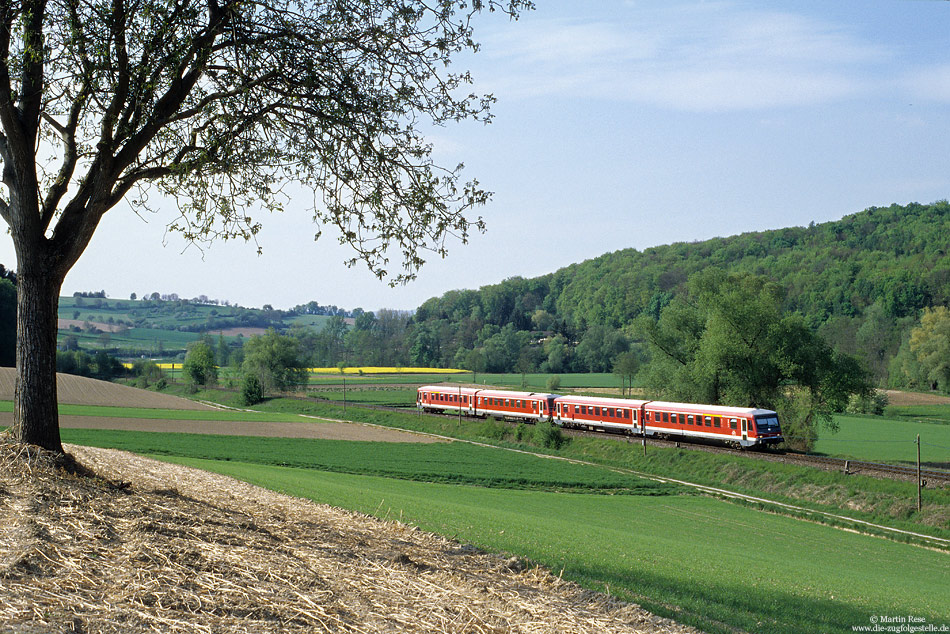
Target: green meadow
x=891, y=440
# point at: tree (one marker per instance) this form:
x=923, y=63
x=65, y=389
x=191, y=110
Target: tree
x=199, y=366
x=930, y=341
x=626, y=366
x=275, y=360
x=218, y=104
x=729, y=342
x=223, y=352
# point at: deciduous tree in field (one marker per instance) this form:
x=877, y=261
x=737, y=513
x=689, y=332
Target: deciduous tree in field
x=728, y=341
x=217, y=105
x=199, y=367
x=275, y=360
x=930, y=341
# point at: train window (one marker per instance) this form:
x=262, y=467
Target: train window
x=507, y=402
x=709, y=421
x=534, y=405
x=732, y=423
x=609, y=411
x=716, y=421
x=596, y=411
x=689, y=419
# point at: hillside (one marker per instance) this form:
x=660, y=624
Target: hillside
x=141, y=545
x=860, y=281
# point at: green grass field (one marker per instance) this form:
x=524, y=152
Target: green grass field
x=920, y=413
x=702, y=561
x=888, y=440
x=388, y=397
x=460, y=463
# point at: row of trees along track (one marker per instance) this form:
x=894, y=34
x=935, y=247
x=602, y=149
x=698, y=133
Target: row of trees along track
x=218, y=104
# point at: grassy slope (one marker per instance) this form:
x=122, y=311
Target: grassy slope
x=720, y=565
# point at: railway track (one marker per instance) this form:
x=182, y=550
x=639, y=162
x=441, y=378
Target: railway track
x=897, y=472
x=931, y=477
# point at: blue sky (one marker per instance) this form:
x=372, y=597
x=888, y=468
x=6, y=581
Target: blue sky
x=621, y=124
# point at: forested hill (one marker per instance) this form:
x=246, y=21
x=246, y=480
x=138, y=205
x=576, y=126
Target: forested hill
x=895, y=256
x=859, y=281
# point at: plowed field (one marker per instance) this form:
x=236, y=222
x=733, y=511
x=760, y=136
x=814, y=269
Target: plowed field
x=78, y=390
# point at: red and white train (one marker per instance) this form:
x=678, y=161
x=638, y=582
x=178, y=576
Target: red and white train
x=739, y=426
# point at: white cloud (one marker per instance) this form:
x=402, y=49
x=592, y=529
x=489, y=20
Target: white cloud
x=698, y=58
x=930, y=84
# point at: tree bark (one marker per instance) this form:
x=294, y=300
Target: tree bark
x=35, y=409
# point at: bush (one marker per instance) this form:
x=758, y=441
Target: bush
x=548, y=435
x=554, y=383
x=492, y=430
x=874, y=404
x=252, y=392
x=522, y=433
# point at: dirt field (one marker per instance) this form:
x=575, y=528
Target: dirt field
x=148, y=546
x=315, y=429
x=78, y=390
x=895, y=397
x=82, y=391
x=63, y=324
x=234, y=332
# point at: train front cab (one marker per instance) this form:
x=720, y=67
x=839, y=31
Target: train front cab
x=736, y=426
x=766, y=428
x=758, y=429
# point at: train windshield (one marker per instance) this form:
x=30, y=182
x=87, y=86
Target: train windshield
x=767, y=424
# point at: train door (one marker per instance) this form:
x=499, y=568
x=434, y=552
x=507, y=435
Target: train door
x=745, y=431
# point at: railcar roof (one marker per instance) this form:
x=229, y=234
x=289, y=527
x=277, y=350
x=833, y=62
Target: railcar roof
x=602, y=400
x=711, y=409
x=448, y=388
x=513, y=394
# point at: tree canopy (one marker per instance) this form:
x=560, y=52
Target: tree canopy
x=218, y=105
x=728, y=341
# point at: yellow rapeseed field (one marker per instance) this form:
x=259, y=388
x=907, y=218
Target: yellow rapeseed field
x=366, y=369
x=385, y=370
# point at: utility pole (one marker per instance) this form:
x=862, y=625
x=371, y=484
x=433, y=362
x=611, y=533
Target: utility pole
x=643, y=432
x=460, y=406
x=918, y=473
x=344, y=394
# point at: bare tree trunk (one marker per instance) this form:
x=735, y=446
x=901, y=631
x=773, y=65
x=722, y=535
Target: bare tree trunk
x=35, y=410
